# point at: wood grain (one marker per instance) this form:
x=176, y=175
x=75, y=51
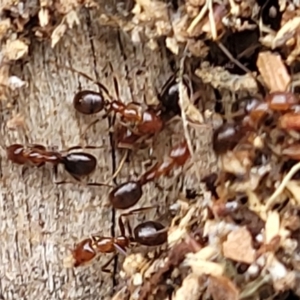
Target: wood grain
x=41, y=221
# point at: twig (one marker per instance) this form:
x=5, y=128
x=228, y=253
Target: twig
x=212, y=21
x=282, y=185
x=199, y=17
x=183, y=114
x=119, y=168
x=235, y=61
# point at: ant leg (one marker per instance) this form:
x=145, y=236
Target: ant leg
x=83, y=147
x=82, y=136
x=40, y=164
x=104, y=267
x=129, y=213
x=55, y=173
x=137, y=210
x=100, y=184
x=63, y=182
x=120, y=249
x=24, y=169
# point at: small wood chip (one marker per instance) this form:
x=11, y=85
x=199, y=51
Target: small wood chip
x=15, y=50
x=222, y=288
x=190, y=286
x=238, y=246
x=272, y=226
x=57, y=34
x=273, y=71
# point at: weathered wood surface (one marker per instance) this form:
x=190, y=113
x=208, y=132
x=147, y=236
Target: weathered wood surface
x=39, y=220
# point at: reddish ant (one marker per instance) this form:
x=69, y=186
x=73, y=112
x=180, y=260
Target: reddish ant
x=141, y=119
x=129, y=193
x=255, y=110
x=252, y=113
x=149, y=233
x=77, y=164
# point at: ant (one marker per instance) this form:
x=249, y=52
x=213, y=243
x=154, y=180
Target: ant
x=149, y=233
x=253, y=110
x=129, y=193
x=252, y=113
x=141, y=119
x=77, y=164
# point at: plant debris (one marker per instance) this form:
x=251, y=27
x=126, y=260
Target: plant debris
x=238, y=238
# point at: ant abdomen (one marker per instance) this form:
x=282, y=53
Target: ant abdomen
x=79, y=164
x=126, y=194
x=150, y=233
x=89, y=102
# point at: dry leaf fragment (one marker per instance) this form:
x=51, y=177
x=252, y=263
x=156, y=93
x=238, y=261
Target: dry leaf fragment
x=14, y=82
x=57, y=34
x=172, y=45
x=222, y=288
x=294, y=187
x=237, y=162
x=273, y=71
x=44, y=17
x=238, y=246
x=190, y=286
x=201, y=267
x=286, y=32
x=72, y=19
x=220, y=78
x=15, y=50
x=214, y=24
x=192, y=113
x=283, y=279
x=272, y=226
x=4, y=26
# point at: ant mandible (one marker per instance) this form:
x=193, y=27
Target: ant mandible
x=77, y=164
x=149, y=233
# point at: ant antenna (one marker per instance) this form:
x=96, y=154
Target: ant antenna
x=100, y=85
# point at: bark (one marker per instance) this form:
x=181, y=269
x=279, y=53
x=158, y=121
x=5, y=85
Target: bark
x=39, y=220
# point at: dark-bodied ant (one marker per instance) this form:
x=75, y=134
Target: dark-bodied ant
x=253, y=110
x=77, y=164
x=227, y=136
x=252, y=113
x=141, y=119
x=149, y=233
x=129, y=193
x=169, y=96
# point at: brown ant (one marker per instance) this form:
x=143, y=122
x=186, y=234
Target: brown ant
x=149, y=233
x=142, y=120
x=77, y=164
x=255, y=110
x=253, y=113
x=129, y=193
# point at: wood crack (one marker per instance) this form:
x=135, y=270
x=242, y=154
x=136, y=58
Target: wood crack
x=113, y=151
